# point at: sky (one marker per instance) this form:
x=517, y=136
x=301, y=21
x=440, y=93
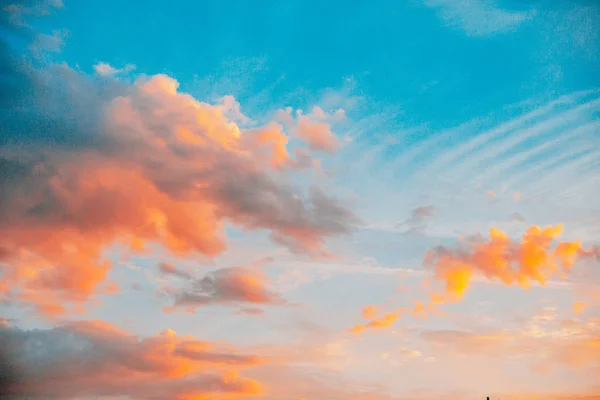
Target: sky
x=300, y=200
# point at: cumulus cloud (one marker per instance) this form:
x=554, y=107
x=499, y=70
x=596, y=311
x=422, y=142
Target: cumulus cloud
x=538, y=257
x=95, y=358
x=236, y=285
x=100, y=162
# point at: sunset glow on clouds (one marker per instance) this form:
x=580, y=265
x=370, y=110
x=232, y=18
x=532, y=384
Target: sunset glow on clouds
x=214, y=201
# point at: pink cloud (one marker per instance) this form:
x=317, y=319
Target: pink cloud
x=162, y=167
x=313, y=128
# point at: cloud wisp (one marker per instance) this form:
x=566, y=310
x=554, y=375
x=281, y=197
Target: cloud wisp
x=478, y=17
x=234, y=286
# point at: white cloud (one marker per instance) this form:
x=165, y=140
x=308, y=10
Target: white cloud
x=105, y=69
x=478, y=17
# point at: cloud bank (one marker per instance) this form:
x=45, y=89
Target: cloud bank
x=91, y=162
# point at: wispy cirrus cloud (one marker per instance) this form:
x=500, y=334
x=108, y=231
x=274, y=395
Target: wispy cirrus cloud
x=478, y=17
x=541, y=164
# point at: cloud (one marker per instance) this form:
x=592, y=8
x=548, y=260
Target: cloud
x=369, y=312
x=105, y=69
x=49, y=43
x=534, y=258
x=579, y=307
x=571, y=30
x=313, y=128
x=542, y=345
x=17, y=11
x=251, y=311
x=170, y=269
x=478, y=17
x=375, y=320
x=516, y=217
x=94, y=358
x=234, y=285
x=468, y=343
x=417, y=220
x=423, y=212
x=271, y=142
x=155, y=165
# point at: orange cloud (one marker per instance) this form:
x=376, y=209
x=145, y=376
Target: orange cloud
x=420, y=310
x=369, y=312
x=579, y=307
x=375, y=322
x=534, y=258
x=98, y=359
x=158, y=167
x=544, y=343
x=271, y=142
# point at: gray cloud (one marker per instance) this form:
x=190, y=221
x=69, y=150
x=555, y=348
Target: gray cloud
x=92, y=358
x=234, y=285
x=416, y=223
x=73, y=143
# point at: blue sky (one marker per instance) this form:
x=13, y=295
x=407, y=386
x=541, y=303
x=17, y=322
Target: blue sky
x=410, y=55
x=301, y=200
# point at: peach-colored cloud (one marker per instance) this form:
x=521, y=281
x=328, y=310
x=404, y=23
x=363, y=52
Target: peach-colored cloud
x=171, y=270
x=271, y=142
x=517, y=196
x=579, y=307
x=541, y=344
x=469, y=343
x=591, y=395
x=317, y=134
x=375, y=320
x=97, y=359
x=369, y=312
x=537, y=257
x=251, y=311
x=159, y=167
x=313, y=128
